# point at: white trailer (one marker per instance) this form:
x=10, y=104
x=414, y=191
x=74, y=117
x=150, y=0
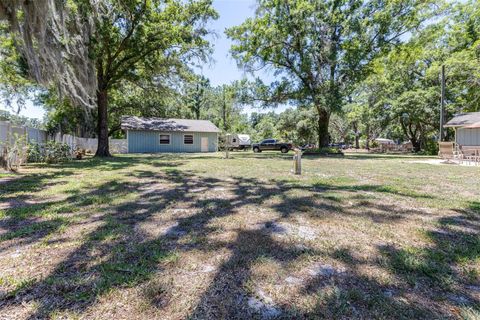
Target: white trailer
x=239, y=141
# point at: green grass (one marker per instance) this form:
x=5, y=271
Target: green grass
x=197, y=236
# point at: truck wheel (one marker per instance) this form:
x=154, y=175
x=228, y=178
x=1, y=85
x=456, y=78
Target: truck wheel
x=284, y=149
x=256, y=149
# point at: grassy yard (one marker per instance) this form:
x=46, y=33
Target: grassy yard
x=201, y=237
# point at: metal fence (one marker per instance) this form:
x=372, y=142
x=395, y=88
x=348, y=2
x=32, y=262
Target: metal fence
x=9, y=133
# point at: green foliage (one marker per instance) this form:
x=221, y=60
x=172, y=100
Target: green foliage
x=297, y=125
x=401, y=98
x=63, y=116
x=50, y=152
x=320, y=49
x=265, y=127
x=13, y=152
x=15, y=87
x=21, y=120
x=121, y=40
x=197, y=95
x=324, y=150
x=35, y=153
x=56, y=152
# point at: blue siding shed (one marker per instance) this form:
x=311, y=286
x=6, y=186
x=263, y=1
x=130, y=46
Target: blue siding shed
x=149, y=142
x=467, y=128
x=152, y=135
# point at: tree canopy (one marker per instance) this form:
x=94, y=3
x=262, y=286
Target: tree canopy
x=103, y=43
x=318, y=50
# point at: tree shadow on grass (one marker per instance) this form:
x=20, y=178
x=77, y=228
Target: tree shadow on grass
x=386, y=189
x=28, y=183
x=117, y=253
x=126, y=258
x=227, y=296
x=34, y=219
x=351, y=293
x=373, y=156
x=20, y=211
x=447, y=269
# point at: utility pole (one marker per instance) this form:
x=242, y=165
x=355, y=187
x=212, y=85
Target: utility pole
x=227, y=146
x=442, y=107
x=224, y=109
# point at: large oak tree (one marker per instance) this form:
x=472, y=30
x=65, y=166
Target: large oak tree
x=319, y=48
x=86, y=48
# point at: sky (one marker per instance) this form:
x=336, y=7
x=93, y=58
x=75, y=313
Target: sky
x=223, y=69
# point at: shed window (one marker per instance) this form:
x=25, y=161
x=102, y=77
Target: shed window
x=164, y=139
x=188, y=139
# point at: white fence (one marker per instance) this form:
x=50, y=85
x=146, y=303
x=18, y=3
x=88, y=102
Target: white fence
x=90, y=144
x=9, y=133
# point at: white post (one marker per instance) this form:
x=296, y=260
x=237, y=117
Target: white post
x=227, y=145
x=297, y=162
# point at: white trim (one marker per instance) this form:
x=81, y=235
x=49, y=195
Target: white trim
x=128, y=143
x=193, y=139
x=169, y=139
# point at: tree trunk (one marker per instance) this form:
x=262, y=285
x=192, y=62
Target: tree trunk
x=357, y=136
x=102, y=129
x=417, y=146
x=323, y=120
x=412, y=136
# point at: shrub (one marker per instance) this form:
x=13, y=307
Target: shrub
x=56, y=152
x=51, y=152
x=324, y=150
x=14, y=153
x=34, y=152
x=431, y=147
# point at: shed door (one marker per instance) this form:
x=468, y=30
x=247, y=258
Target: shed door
x=204, y=144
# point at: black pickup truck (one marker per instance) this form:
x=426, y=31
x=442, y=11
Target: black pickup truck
x=272, y=144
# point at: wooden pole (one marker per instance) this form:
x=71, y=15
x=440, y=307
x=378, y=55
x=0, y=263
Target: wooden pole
x=227, y=145
x=442, y=107
x=224, y=109
x=297, y=162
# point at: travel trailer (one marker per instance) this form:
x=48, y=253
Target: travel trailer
x=239, y=142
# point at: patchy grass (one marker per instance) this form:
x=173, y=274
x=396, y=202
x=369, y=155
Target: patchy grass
x=201, y=237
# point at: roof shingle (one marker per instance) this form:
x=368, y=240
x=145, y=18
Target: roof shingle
x=463, y=119
x=160, y=124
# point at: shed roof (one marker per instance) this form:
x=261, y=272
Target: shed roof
x=463, y=119
x=383, y=140
x=160, y=124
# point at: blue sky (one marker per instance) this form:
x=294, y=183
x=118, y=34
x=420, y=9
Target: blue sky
x=232, y=13
x=223, y=69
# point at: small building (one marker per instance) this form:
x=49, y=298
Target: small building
x=383, y=141
x=152, y=135
x=467, y=128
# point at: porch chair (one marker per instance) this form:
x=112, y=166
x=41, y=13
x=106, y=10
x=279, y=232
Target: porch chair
x=470, y=154
x=445, y=151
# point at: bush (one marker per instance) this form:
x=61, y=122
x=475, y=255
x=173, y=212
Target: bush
x=34, y=153
x=431, y=147
x=324, y=150
x=14, y=153
x=51, y=152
